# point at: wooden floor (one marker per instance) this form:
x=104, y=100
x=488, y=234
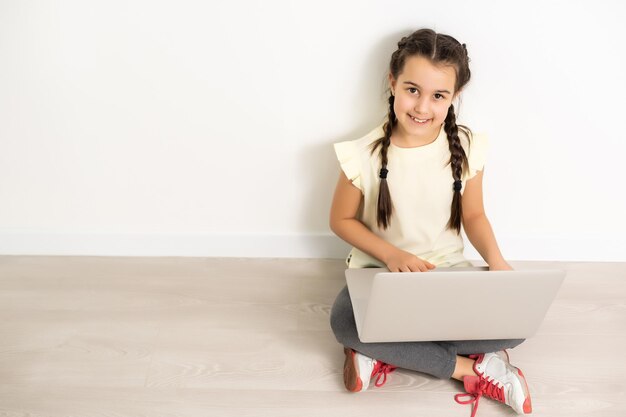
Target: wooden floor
x=98, y=336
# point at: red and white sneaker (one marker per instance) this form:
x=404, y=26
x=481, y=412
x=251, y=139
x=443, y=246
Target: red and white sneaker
x=499, y=380
x=359, y=369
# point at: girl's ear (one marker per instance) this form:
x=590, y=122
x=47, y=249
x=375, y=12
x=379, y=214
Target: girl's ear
x=392, y=83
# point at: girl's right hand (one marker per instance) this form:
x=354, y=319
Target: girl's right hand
x=403, y=261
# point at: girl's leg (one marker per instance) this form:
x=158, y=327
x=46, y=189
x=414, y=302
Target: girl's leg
x=428, y=357
x=469, y=347
x=440, y=360
x=464, y=365
x=435, y=358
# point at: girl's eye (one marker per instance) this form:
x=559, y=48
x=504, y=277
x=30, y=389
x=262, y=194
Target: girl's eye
x=437, y=95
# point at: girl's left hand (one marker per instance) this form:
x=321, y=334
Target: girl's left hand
x=500, y=266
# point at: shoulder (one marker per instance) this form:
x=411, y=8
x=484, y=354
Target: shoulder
x=362, y=143
x=354, y=156
x=475, y=148
x=476, y=142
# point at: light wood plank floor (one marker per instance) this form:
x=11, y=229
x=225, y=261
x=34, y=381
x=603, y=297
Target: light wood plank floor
x=113, y=336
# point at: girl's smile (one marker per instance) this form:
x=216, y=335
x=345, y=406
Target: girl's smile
x=418, y=121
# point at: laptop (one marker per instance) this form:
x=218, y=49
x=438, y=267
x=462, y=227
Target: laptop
x=455, y=303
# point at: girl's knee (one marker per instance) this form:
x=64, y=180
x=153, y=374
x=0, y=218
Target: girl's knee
x=516, y=342
x=337, y=315
x=341, y=316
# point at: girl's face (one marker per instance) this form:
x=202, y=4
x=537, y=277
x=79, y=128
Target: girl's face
x=425, y=92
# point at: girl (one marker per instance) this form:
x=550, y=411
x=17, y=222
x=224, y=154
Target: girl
x=403, y=191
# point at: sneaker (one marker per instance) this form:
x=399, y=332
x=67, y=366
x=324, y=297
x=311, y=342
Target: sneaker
x=358, y=370
x=497, y=379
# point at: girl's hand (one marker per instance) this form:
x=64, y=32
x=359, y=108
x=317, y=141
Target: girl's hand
x=402, y=261
x=500, y=266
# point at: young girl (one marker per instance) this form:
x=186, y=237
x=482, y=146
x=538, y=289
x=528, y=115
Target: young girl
x=403, y=191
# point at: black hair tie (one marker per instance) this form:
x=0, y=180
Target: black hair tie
x=383, y=172
x=457, y=185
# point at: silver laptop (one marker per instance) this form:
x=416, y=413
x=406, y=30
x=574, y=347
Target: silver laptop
x=468, y=303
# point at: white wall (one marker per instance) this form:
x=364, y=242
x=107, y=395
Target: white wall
x=197, y=128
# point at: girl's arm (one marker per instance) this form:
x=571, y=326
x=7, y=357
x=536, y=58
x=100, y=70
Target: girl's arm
x=477, y=226
x=343, y=221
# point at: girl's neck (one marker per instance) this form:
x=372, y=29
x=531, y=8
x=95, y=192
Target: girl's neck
x=401, y=139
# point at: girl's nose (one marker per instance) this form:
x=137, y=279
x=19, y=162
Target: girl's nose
x=421, y=106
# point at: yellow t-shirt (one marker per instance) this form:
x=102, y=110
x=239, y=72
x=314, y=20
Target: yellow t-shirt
x=421, y=187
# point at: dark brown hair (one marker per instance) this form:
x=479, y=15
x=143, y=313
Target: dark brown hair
x=441, y=50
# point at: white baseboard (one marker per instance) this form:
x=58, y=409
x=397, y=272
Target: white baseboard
x=583, y=249
x=192, y=245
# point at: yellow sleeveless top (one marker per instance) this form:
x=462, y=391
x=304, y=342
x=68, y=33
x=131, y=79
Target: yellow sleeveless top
x=421, y=186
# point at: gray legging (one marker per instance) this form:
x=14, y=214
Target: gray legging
x=434, y=358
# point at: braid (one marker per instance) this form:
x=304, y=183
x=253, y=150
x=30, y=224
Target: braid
x=385, y=205
x=458, y=160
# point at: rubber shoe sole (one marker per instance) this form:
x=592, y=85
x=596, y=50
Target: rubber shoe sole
x=527, y=407
x=351, y=377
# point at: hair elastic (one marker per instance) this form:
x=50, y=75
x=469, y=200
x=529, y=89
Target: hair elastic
x=457, y=185
x=383, y=172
